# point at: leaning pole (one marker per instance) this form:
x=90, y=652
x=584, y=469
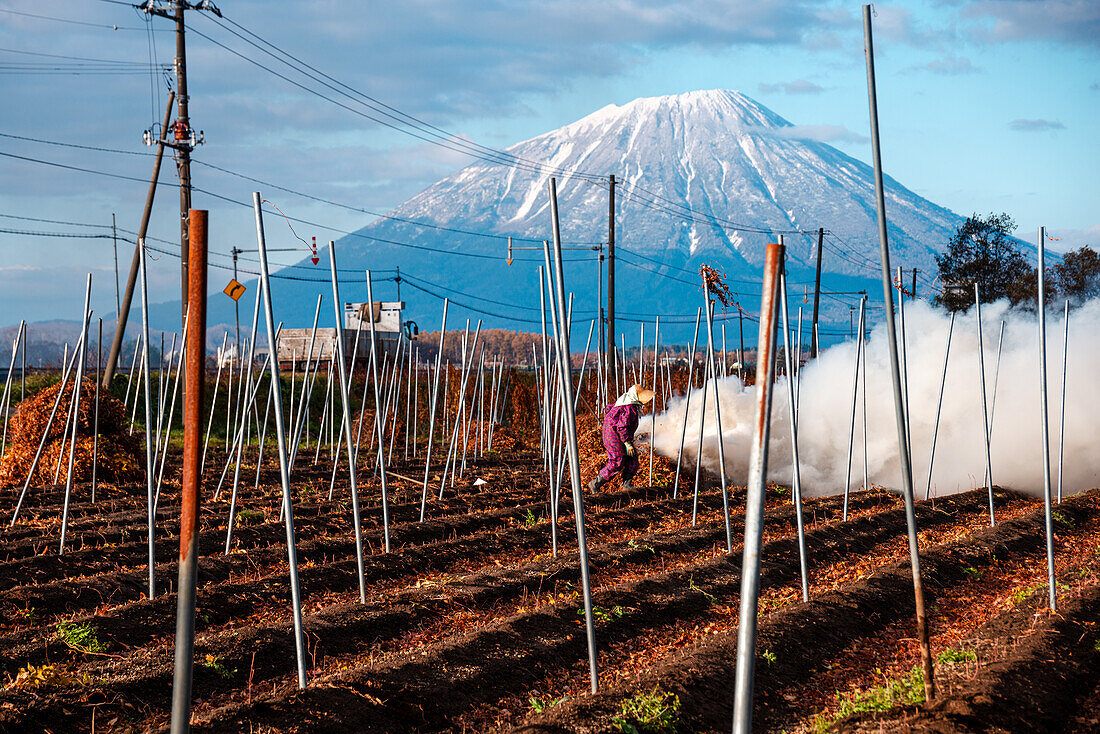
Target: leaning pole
x=895, y=370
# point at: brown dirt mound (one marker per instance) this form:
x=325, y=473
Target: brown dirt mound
x=121, y=458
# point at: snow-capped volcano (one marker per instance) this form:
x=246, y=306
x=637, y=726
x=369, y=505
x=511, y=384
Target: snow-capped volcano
x=705, y=177
x=703, y=174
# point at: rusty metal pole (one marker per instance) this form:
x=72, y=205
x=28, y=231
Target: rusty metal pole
x=193, y=398
x=754, y=504
x=895, y=370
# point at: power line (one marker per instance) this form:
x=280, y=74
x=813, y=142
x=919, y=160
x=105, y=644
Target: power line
x=402, y=118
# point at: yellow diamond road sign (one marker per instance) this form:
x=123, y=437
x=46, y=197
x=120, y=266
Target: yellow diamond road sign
x=234, y=290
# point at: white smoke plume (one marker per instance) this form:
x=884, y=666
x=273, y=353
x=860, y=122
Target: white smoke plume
x=825, y=406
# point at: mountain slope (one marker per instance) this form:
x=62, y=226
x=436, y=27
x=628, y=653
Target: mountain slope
x=705, y=177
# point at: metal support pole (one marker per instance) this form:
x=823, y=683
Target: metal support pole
x=338, y=307
x=195, y=348
x=1062, y=418
x=378, y=422
x=985, y=408
x=855, y=400
x=892, y=346
x=1042, y=308
x=431, y=410
x=151, y=519
x=566, y=390
x=939, y=405
x=754, y=506
x=77, y=384
x=796, y=489
x=284, y=464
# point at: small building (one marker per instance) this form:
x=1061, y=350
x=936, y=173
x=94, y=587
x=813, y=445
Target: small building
x=294, y=344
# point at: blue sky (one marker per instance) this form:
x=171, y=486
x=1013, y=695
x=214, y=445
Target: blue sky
x=985, y=106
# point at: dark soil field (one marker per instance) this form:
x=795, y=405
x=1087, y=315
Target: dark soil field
x=471, y=624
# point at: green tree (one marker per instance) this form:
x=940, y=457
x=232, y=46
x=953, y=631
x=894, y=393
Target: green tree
x=983, y=251
x=1077, y=277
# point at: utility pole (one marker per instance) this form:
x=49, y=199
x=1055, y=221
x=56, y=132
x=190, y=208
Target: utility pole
x=398, y=285
x=124, y=312
x=817, y=293
x=114, y=240
x=610, y=360
x=183, y=136
x=915, y=271
x=599, y=302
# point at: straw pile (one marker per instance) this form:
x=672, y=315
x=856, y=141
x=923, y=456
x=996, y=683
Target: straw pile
x=121, y=457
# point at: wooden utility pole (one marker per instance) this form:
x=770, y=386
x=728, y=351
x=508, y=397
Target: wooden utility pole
x=610, y=360
x=184, y=140
x=817, y=293
x=914, y=296
x=131, y=281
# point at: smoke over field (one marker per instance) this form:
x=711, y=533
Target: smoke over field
x=825, y=404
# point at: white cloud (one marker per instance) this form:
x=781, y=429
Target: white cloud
x=1069, y=21
x=818, y=133
x=799, y=86
x=948, y=66
x=1035, y=126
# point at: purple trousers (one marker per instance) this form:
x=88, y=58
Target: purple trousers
x=619, y=425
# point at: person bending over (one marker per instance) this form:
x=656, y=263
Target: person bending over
x=619, y=424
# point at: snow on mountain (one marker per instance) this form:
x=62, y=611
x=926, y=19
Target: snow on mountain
x=706, y=177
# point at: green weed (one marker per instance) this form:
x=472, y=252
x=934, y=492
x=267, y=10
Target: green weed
x=217, y=664
x=81, y=637
x=250, y=517
x=905, y=691
x=971, y=573
x=530, y=519
x=950, y=656
x=1063, y=519
x=538, y=705
x=709, y=596
x=769, y=657
x=649, y=712
x=641, y=546
x=604, y=615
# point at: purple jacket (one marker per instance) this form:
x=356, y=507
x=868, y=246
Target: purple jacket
x=620, y=422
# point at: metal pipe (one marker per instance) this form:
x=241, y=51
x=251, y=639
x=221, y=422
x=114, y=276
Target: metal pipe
x=653, y=408
x=687, y=403
x=939, y=405
x=338, y=305
x=195, y=348
x=284, y=463
x=213, y=404
x=69, y=362
x=1062, y=418
x=378, y=423
x=95, y=419
x=985, y=409
x=713, y=370
x=77, y=384
x=754, y=506
x=892, y=346
x=855, y=398
x=148, y=418
x=1042, y=308
x=431, y=410
x=566, y=388
x=796, y=489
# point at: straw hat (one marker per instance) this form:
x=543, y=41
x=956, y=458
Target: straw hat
x=644, y=394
